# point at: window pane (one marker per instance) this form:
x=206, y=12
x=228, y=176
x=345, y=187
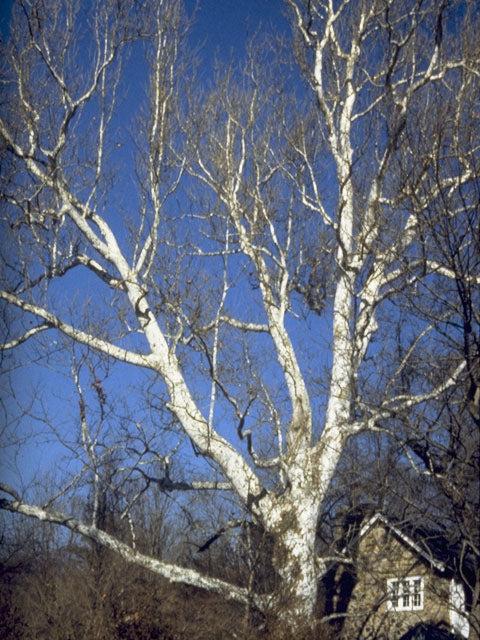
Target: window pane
x=394, y=593
x=417, y=593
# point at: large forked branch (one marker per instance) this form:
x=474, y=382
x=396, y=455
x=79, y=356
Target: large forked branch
x=170, y=572
x=160, y=359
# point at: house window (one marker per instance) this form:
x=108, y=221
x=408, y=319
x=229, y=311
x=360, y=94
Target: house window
x=405, y=594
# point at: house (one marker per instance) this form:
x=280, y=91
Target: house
x=399, y=583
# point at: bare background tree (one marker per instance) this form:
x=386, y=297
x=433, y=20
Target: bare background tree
x=263, y=269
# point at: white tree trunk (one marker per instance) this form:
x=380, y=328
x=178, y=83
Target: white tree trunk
x=292, y=522
x=294, y=561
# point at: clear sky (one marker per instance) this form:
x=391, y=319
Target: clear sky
x=5, y=9
x=225, y=25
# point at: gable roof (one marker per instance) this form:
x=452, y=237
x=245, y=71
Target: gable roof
x=416, y=541
x=431, y=544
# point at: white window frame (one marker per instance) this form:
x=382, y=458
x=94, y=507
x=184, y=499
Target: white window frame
x=405, y=594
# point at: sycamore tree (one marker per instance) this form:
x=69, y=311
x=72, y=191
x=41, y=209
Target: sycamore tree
x=255, y=247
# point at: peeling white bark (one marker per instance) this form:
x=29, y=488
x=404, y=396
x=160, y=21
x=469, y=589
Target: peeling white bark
x=296, y=563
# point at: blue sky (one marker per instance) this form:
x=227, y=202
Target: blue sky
x=225, y=25
x=5, y=10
